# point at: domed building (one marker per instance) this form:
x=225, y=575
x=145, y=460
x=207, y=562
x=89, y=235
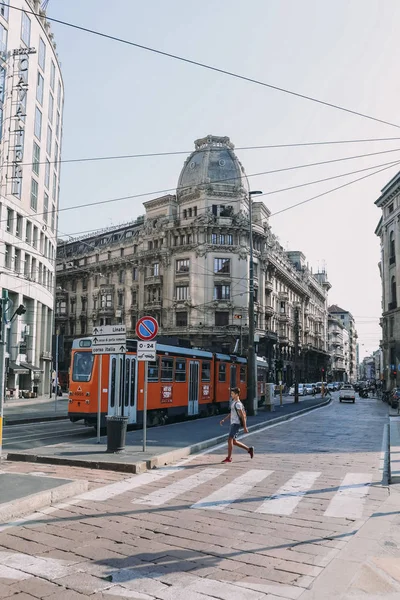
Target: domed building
x=186, y=262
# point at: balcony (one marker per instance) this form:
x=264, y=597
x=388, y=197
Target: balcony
x=283, y=317
x=283, y=340
x=269, y=311
x=106, y=311
x=284, y=296
x=153, y=280
x=269, y=286
x=392, y=305
x=62, y=314
x=153, y=305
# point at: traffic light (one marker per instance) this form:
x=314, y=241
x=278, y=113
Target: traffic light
x=237, y=316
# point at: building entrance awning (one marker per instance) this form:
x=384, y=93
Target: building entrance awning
x=31, y=367
x=18, y=369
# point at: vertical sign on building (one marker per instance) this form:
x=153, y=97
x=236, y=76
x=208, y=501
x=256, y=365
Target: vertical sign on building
x=18, y=113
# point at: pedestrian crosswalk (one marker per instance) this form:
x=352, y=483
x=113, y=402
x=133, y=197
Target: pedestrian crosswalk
x=346, y=502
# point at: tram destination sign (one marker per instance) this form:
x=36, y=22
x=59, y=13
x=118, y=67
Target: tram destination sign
x=109, y=339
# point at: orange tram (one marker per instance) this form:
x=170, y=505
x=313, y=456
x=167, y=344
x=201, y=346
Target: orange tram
x=182, y=383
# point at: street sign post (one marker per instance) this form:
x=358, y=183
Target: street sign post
x=146, y=331
x=107, y=339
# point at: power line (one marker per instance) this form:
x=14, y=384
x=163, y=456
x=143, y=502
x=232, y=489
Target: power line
x=189, y=152
x=209, y=67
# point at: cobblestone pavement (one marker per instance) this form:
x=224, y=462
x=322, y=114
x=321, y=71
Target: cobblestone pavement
x=251, y=529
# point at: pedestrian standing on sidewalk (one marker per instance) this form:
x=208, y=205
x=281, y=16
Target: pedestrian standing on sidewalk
x=238, y=418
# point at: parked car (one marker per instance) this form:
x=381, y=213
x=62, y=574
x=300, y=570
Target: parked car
x=318, y=386
x=347, y=393
x=302, y=390
x=309, y=388
x=332, y=387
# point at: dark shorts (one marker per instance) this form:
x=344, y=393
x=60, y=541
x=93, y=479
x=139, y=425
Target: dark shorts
x=234, y=430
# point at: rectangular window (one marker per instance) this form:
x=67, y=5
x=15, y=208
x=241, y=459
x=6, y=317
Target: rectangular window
x=59, y=95
x=54, y=186
x=40, y=88
x=7, y=259
x=52, y=75
x=182, y=266
x=19, y=226
x=45, y=207
x=3, y=41
x=17, y=260
x=53, y=217
x=4, y=10
x=222, y=373
x=42, y=54
x=155, y=269
x=27, y=266
x=222, y=292
x=167, y=367
x=28, y=232
x=51, y=107
x=84, y=284
x=180, y=370
x=47, y=174
x=242, y=374
x=36, y=158
x=134, y=298
x=152, y=371
x=10, y=220
x=34, y=194
x=135, y=274
x=121, y=277
x=49, y=140
x=120, y=299
x=35, y=237
x=222, y=265
x=26, y=29
x=182, y=292
x=206, y=371
x=221, y=319
x=38, y=123
x=181, y=319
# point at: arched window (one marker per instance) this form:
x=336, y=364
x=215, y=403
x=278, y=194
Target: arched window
x=392, y=248
x=393, y=291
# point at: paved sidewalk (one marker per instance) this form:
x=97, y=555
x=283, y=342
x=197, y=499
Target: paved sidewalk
x=165, y=444
x=31, y=410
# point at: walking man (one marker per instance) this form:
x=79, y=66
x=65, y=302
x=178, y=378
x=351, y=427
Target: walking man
x=238, y=418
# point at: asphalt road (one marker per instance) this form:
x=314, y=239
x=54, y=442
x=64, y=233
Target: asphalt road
x=33, y=435
x=252, y=529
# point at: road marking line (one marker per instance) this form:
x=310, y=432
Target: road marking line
x=289, y=495
x=348, y=502
x=115, y=489
x=223, y=497
x=177, y=488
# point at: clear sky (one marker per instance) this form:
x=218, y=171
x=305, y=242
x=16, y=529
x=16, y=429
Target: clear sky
x=123, y=100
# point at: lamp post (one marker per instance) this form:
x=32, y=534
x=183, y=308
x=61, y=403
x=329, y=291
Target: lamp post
x=251, y=357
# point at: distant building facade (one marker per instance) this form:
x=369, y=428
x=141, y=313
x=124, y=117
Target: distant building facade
x=388, y=230
x=186, y=262
x=347, y=320
x=338, y=346
x=31, y=110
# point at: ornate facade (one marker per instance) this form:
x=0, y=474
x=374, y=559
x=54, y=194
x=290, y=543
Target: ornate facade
x=186, y=262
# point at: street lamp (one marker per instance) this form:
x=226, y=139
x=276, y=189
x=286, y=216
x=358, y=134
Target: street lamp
x=251, y=356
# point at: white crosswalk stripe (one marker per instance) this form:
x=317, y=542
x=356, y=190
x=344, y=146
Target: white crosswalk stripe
x=348, y=502
x=289, y=495
x=223, y=497
x=163, y=495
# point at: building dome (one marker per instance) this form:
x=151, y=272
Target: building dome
x=213, y=164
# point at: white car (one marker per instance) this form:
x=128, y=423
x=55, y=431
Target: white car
x=347, y=394
x=302, y=390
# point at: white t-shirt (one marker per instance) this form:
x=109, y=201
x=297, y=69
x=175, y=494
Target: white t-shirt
x=235, y=404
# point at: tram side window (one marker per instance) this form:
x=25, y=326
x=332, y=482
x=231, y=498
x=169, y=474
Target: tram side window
x=206, y=371
x=222, y=373
x=167, y=369
x=180, y=370
x=152, y=371
x=113, y=373
x=242, y=374
x=82, y=367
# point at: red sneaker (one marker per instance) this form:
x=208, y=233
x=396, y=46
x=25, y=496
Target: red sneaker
x=227, y=460
x=251, y=451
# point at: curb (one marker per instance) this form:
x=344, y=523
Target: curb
x=26, y=421
x=158, y=460
x=34, y=502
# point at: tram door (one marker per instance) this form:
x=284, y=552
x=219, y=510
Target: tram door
x=233, y=380
x=122, y=387
x=193, y=403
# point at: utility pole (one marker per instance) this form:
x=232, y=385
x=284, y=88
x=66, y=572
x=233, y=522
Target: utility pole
x=296, y=353
x=251, y=357
x=3, y=303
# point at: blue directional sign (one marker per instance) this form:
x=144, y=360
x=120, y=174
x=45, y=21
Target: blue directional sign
x=146, y=328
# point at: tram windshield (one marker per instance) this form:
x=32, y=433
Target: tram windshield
x=82, y=367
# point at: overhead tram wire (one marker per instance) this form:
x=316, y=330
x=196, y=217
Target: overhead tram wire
x=177, y=189
x=188, y=152
x=208, y=67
